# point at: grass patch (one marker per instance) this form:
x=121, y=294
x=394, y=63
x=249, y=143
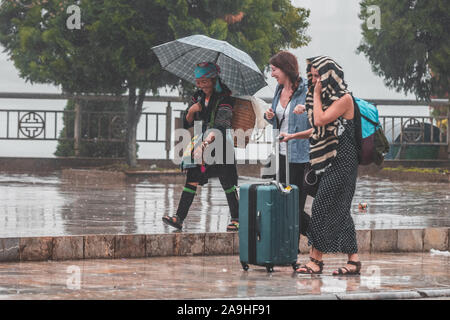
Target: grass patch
x=419, y=170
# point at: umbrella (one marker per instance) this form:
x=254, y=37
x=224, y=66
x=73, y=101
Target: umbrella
x=238, y=70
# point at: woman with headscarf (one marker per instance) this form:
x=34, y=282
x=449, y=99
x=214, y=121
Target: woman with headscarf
x=333, y=156
x=212, y=104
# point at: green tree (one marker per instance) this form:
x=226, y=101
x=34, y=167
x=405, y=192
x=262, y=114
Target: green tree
x=111, y=52
x=102, y=130
x=411, y=50
x=259, y=27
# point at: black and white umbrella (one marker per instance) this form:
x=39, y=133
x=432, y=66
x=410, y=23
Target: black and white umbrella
x=238, y=70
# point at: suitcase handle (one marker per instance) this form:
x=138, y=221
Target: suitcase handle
x=258, y=225
x=277, y=167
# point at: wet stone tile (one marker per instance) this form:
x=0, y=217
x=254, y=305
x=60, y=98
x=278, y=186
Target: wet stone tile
x=189, y=244
x=363, y=238
x=99, y=246
x=111, y=208
x=129, y=246
x=384, y=240
x=9, y=249
x=410, y=240
x=435, y=238
x=222, y=277
x=68, y=248
x=160, y=245
x=218, y=243
x=35, y=249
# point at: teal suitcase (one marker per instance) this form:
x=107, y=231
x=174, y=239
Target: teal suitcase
x=269, y=223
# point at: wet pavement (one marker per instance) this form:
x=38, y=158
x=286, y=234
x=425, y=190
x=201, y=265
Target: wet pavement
x=221, y=277
x=32, y=205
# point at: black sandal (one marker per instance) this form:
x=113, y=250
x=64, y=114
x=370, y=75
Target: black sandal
x=308, y=269
x=173, y=222
x=233, y=226
x=349, y=272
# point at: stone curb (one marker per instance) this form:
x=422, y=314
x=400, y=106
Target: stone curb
x=434, y=293
x=187, y=244
x=327, y=296
x=383, y=295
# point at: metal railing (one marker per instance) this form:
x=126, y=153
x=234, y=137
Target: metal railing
x=40, y=124
x=399, y=130
x=99, y=126
x=415, y=130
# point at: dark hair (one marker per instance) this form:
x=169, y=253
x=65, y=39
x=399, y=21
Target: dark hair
x=288, y=63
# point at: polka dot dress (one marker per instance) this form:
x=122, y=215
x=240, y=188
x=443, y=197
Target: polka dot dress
x=331, y=228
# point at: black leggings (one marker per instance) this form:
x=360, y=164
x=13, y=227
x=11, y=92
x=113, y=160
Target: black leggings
x=296, y=173
x=227, y=174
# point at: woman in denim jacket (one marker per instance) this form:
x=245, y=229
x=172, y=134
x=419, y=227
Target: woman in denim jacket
x=290, y=92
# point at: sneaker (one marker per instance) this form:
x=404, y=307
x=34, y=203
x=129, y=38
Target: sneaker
x=173, y=222
x=233, y=226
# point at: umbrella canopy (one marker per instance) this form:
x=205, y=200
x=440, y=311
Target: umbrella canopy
x=238, y=70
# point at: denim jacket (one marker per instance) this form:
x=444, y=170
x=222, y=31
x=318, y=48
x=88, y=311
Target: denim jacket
x=298, y=148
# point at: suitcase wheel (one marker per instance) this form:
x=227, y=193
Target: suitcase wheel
x=244, y=266
x=269, y=269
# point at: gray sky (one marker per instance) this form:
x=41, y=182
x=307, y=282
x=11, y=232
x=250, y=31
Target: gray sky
x=335, y=31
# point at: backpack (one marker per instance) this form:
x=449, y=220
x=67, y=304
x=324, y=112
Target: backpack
x=371, y=141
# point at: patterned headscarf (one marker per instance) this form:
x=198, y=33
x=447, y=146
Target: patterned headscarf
x=206, y=70
x=324, y=140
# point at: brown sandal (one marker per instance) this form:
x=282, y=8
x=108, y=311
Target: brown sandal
x=308, y=269
x=349, y=272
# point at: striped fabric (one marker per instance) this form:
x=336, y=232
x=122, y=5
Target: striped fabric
x=223, y=105
x=224, y=110
x=324, y=140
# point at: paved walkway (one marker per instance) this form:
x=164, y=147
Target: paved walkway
x=33, y=205
x=386, y=276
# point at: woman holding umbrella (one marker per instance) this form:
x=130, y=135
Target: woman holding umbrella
x=213, y=105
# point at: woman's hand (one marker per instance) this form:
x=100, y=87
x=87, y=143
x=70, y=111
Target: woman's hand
x=197, y=107
x=318, y=87
x=299, y=109
x=270, y=114
x=198, y=154
x=286, y=136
